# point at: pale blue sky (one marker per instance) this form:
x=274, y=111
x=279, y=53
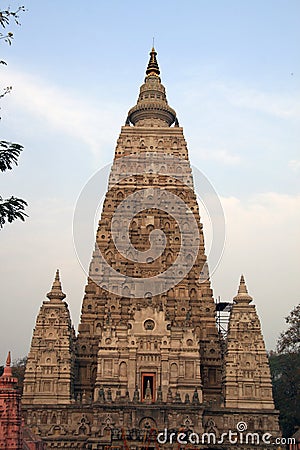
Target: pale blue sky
x=232, y=72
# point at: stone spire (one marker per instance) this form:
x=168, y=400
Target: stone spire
x=153, y=68
x=56, y=293
x=8, y=360
x=7, y=373
x=176, y=327
x=242, y=295
x=247, y=380
x=49, y=374
x=7, y=369
x=152, y=108
x=10, y=411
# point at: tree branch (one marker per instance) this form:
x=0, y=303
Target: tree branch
x=9, y=154
x=12, y=209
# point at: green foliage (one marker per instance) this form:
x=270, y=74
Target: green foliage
x=6, y=16
x=9, y=154
x=10, y=208
x=289, y=340
x=18, y=370
x=285, y=372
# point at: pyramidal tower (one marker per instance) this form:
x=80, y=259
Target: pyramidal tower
x=247, y=375
x=50, y=363
x=140, y=299
x=148, y=355
x=10, y=410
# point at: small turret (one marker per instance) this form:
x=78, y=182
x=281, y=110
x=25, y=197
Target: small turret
x=247, y=381
x=7, y=369
x=49, y=375
x=10, y=411
x=7, y=373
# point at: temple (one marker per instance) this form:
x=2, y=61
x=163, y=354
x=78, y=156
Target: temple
x=148, y=355
x=13, y=434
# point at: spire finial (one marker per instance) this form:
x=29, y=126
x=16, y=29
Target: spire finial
x=7, y=369
x=152, y=108
x=8, y=360
x=56, y=292
x=242, y=286
x=153, y=69
x=242, y=295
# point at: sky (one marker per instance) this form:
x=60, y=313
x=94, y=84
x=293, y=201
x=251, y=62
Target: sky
x=232, y=73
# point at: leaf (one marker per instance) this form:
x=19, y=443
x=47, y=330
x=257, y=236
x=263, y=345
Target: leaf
x=9, y=154
x=12, y=209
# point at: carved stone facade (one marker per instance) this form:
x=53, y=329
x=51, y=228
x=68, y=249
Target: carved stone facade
x=147, y=356
x=247, y=380
x=50, y=363
x=13, y=435
x=10, y=410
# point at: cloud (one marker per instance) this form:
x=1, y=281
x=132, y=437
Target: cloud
x=294, y=164
x=262, y=231
x=284, y=105
x=235, y=124
x=205, y=94
x=64, y=110
x=263, y=243
x=222, y=156
x=32, y=252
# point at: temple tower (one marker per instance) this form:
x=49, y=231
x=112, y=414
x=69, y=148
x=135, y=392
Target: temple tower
x=247, y=378
x=136, y=327
x=147, y=356
x=10, y=410
x=49, y=375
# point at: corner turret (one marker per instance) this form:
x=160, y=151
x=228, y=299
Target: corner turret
x=10, y=411
x=247, y=380
x=49, y=375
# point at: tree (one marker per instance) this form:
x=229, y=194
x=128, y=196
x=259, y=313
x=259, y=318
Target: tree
x=285, y=372
x=289, y=340
x=18, y=370
x=11, y=208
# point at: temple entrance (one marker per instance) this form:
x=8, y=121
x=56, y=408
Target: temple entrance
x=148, y=387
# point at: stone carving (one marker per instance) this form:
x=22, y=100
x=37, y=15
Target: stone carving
x=49, y=375
x=152, y=361
x=247, y=380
